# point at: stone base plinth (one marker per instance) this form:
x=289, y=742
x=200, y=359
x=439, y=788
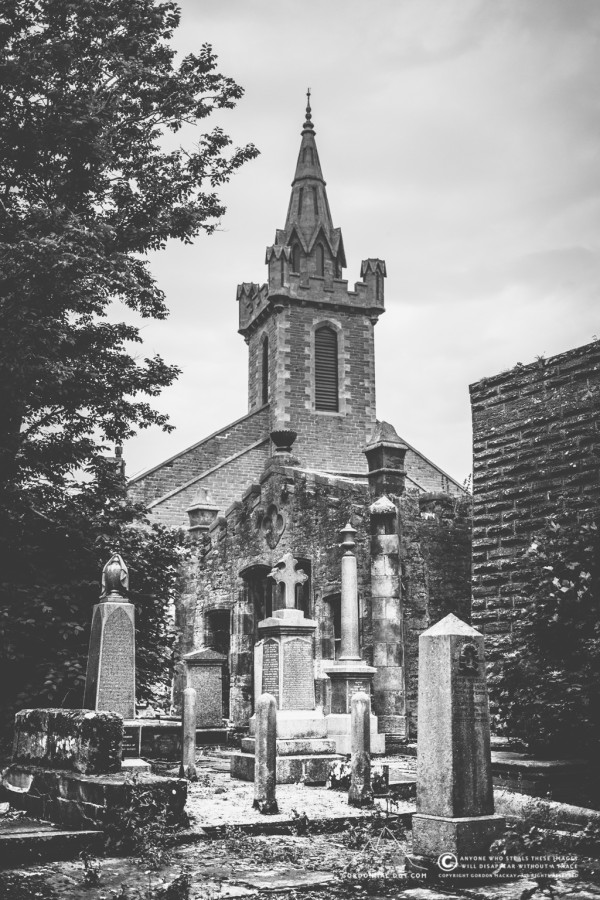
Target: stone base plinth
x=295, y=748
x=134, y=766
x=433, y=835
x=310, y=768
x=301, y=724
x=339, y=730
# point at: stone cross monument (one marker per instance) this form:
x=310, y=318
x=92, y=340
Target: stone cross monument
x=455, y=801
x=284, y=668
x=350, y=674
x=110, y=678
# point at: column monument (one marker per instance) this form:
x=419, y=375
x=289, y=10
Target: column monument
x=350, y=674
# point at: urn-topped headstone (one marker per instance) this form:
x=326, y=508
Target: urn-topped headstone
x=110, y=678
x=455, y=801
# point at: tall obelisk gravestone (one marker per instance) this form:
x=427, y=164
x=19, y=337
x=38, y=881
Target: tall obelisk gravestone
x=455, y=801
x=110, y=679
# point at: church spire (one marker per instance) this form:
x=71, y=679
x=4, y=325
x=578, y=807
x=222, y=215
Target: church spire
x=309, y=223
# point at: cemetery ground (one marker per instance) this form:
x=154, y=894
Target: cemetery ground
x=316, y=847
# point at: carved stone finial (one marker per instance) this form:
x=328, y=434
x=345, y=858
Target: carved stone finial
x=308, y=123
x=115, y=579
x=348, y=543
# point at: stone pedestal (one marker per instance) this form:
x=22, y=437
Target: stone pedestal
x=347, y=679
x=110, y=679
x=284, y=668
x=455, y=803
x=204, y=673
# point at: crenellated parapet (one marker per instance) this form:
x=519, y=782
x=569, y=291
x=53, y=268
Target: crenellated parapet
x=286, y=288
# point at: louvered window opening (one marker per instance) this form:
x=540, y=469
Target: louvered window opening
x=326, y=370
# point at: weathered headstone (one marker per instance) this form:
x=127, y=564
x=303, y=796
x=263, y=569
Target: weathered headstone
x=455, y=801
x=110, y=678
x=350, y=674
x=265, y=756
x=204, y=673
x=188, y=739
x=360, y=793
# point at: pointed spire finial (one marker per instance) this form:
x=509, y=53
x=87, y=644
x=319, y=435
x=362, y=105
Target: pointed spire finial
x=308, y=123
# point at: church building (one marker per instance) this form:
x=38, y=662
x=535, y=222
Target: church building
x=307, y=459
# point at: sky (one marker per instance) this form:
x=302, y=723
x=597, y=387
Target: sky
x=460, y=142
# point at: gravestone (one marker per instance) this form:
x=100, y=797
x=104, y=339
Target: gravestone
x=455, y=801
x=204, y=673
x=110, y=678
x=265, y=759
x=350, y=674
x=360, y=792
x=284, y=669
x=188, y=735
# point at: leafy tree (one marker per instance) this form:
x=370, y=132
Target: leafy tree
x=548, y=686
x=91, y=95
x=86, y=188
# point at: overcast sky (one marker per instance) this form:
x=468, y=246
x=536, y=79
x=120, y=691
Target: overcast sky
x=460, y=142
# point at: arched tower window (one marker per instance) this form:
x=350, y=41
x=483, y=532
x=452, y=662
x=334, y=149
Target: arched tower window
x=282, y=271
x=326, y=369
x=265, y=371
x=300, y=196
x=296, y=258
x=320, y=260
x=315, y=202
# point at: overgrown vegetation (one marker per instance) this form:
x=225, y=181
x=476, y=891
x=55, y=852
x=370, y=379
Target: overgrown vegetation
x=548, y=684
x=53, y=579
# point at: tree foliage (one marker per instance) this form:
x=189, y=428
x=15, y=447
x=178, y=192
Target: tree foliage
x=91, y=95
x=549, y=682
x=86, y=188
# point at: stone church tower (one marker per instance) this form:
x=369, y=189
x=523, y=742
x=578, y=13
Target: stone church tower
x=311, y=368
x=310, y=338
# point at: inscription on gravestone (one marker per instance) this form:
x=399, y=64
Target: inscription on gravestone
x=298, y=675
x=116, y=687
x=270, y=683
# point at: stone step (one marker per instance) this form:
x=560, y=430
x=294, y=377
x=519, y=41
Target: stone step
x=31, y=840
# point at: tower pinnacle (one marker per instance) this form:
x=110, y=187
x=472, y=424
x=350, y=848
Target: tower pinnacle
x=308, y=123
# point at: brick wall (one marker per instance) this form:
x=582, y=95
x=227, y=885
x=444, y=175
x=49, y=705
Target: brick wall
x=536, y=436
x=435, y=544
x=174, y=473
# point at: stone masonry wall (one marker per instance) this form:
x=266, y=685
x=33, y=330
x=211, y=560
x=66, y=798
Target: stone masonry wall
x=536, y=437
x=435, y=544
x=206, y=454
x=314, y=508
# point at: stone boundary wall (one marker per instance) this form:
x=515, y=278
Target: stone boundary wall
x=536, y=438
